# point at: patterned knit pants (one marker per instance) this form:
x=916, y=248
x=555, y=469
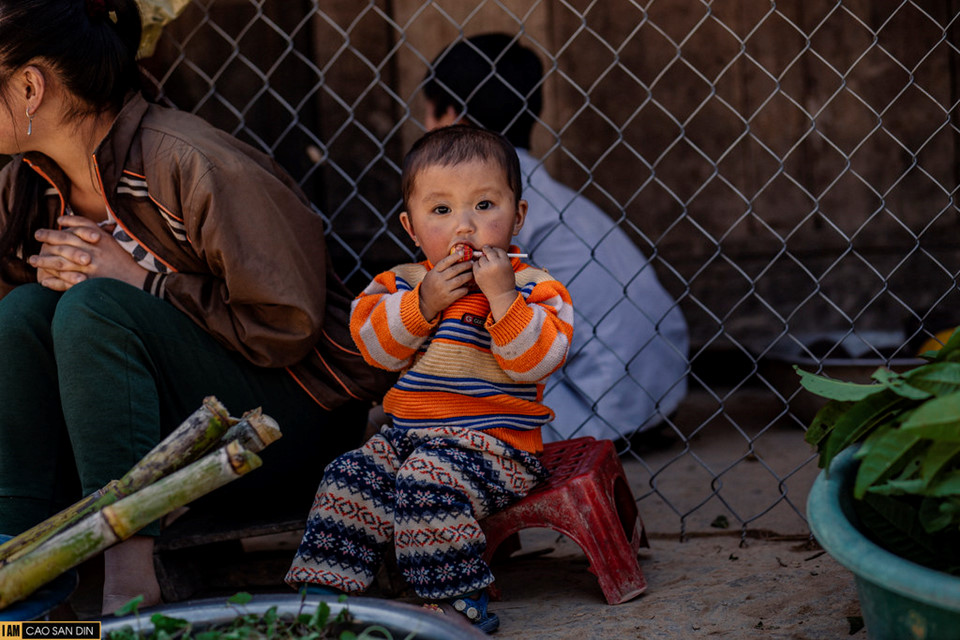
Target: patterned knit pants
x=424, y=489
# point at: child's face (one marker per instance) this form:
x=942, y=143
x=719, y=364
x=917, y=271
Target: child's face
x=469, y=203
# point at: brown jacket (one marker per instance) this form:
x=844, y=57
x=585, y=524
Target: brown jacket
x=244, y=254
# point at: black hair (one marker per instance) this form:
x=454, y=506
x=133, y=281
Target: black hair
x=492, y=79
x=457, y=144
x=91, y=47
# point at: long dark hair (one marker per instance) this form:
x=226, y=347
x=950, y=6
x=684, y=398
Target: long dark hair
x=91, y=47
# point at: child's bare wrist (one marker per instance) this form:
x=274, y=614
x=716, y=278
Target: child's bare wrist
x=500, y=304
x=425, y=310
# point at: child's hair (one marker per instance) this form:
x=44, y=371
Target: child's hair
x=455, y=145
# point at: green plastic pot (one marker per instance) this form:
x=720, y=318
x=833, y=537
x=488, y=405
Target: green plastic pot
x=899, y=599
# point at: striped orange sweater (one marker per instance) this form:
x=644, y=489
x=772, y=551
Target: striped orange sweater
x=464, y=369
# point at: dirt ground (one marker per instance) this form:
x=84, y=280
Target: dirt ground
x=774, y=582
x=704, y=587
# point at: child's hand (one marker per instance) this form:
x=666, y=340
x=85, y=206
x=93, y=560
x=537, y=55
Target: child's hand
x=443, y=285
x=494, y=275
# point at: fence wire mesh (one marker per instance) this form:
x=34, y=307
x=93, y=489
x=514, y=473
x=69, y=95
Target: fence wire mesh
x=788, y=167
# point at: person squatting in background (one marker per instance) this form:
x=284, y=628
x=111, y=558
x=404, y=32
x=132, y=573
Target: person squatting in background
x=627, y=367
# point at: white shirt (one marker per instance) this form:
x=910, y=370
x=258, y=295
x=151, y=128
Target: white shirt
x=627, y=365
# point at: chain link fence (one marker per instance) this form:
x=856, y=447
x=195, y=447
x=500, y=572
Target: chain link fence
x=789, y=168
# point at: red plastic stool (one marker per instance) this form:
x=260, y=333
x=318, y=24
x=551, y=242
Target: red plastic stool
x=587, y=498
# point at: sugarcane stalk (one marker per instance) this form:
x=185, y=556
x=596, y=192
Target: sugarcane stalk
x=255, y=431
x=195, y=436
x=119, y=521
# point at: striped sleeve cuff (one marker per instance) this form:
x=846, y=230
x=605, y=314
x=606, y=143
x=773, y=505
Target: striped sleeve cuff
x=154, y=284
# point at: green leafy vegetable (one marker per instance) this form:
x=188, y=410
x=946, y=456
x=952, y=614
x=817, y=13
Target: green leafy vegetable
x=859, y=420
x=939, y=379
x=888, y=449
x=835, y=389
x=133, y=606
x=314, y=625
x=240, y=598
x=907, y=426
x=825, y=420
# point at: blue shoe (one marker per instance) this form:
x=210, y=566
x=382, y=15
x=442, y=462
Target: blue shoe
x=312, y=589
x=475, y=610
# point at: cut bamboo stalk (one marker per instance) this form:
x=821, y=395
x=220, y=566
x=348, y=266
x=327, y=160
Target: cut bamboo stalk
x=196, y=436
x=119, y=521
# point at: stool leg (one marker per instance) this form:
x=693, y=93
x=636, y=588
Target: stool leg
x=612, y=556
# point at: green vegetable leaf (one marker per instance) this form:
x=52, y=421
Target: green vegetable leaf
x=937, y=419
x=824, y=421
x=898, y=385
x=126, y=633
x=131, y=606
x=862, y=418
x=898, y=487
x=936, y=459
x=320, y=616
x=240, y=598
x=939, y=378
x=937, y=514
x=864, y=449
x=887, y=450
x=167, y=624
x=947, y=486
x=897, y=526
x=835, y=389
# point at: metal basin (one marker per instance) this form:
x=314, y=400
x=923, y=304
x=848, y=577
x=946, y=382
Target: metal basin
x=399, y=618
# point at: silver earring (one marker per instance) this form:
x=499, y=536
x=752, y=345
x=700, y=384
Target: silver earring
x=29, y=123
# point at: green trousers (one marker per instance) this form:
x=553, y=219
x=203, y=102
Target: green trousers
x=93, y=378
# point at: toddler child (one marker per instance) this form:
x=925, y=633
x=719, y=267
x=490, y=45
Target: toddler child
x=476, y=333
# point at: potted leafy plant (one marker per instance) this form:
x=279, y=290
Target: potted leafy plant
x=887, y=503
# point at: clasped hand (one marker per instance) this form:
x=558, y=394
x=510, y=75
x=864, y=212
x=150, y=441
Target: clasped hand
x=81, y=250
x=450, y=280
